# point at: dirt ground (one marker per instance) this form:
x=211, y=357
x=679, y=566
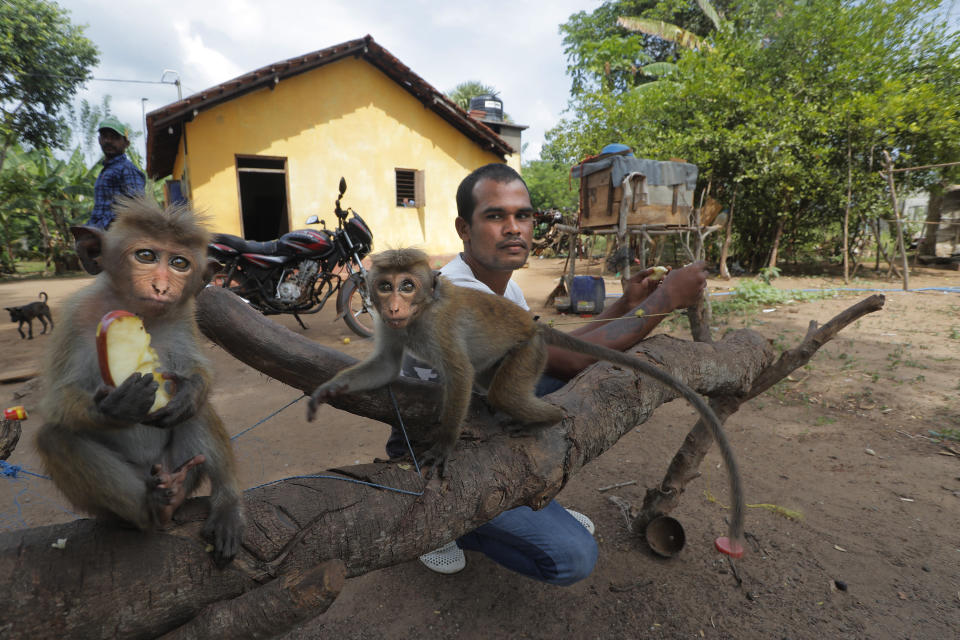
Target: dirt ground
x=845, y=443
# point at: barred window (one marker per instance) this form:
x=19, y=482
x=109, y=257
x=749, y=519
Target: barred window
x=409, y=188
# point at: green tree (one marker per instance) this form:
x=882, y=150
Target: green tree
x=605, y=55
x=83, y=125
x=789, y=99
x=44, y=59
x=41, y=196
x=463, y=92
x=550, y=185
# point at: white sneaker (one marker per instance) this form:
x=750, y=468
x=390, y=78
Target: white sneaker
x=447, y=559
x=582, y=519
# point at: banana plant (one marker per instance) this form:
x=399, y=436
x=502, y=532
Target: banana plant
x=671, y=33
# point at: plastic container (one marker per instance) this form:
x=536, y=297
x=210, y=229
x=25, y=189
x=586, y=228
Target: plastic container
x=15, y=413
x=587, y=294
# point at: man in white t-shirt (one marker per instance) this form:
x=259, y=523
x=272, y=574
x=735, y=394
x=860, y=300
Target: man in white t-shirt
x=495, y=223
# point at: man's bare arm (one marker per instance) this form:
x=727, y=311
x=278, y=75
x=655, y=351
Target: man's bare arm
x=681, y=288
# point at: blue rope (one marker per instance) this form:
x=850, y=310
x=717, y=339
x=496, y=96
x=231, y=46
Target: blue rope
x=11, y=471
x=353, y=480
x=403, y=429
x=254, y=426
x=853, y=289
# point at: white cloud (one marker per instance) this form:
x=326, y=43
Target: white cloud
x=203, y=65
x=514, y=46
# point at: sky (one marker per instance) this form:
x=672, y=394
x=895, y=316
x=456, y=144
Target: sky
x=513, y=46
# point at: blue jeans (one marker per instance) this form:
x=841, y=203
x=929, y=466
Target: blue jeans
x=547, y=545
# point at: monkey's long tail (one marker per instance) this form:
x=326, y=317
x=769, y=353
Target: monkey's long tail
x=565, y=341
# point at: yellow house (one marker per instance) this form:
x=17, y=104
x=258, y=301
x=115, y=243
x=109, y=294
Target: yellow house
x=264, y=151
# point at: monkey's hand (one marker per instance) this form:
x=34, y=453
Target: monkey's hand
x=323, y=394
x=130, y=402
x=189, y=393
x=225, y=528
x=435, y=460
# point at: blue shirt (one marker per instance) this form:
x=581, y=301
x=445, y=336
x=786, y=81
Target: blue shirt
x=119, y=176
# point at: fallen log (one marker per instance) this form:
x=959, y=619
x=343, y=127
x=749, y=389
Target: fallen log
x=105, y=581
x=665, y=497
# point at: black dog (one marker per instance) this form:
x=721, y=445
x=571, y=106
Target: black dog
x=26, y=314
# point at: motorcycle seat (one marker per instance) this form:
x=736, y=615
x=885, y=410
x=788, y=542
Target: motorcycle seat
x=268, y=248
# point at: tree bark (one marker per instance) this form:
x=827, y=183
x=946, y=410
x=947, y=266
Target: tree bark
x=665, y=497
x=727, y=234
x=774, y=250
x=846, y=213
x=881, y=250
x=94, y=585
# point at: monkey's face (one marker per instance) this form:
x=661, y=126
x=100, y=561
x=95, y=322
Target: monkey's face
x=160, y=274
x=499, y=235
x=399, y=297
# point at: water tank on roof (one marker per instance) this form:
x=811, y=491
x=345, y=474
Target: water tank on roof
x=490, y=104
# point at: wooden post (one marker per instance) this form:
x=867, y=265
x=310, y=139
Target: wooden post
x=896, y=212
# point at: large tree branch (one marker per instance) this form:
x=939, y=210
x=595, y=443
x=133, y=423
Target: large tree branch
x=94, y=586
x=665, y=497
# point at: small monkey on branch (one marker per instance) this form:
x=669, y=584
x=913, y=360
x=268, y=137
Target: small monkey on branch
x=472, y=337
x=100, y=444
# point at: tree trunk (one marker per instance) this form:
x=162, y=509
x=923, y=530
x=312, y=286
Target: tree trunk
x=47, y=240
x=846, y=214
x=727, y=233
x=7, y=247
x=304, y=534
x=776, y=242
x=665, y=497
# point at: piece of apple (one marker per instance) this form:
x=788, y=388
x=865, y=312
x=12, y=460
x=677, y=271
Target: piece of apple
x=658, y=273
x=123, y=348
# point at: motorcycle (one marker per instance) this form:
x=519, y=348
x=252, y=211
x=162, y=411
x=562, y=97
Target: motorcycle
x=298, y=272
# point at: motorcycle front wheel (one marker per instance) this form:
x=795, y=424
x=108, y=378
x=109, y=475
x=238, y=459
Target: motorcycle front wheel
x=356, y=312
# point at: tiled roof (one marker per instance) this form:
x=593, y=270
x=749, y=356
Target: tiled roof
x=165, y=125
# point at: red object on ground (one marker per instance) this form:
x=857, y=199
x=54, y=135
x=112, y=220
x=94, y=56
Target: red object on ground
x=730, y=547
x=15, y=413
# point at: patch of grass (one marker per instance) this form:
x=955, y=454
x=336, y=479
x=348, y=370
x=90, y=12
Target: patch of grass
x=749, y=295
x=28, y=267
x=954, y=333
x=824, y=420
x=946, y=434
x=848, y=361
x=895, y=357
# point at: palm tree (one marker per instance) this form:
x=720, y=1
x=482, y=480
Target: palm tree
x=463, y=92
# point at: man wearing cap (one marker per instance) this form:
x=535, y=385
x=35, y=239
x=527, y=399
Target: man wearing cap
x=119, y=175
